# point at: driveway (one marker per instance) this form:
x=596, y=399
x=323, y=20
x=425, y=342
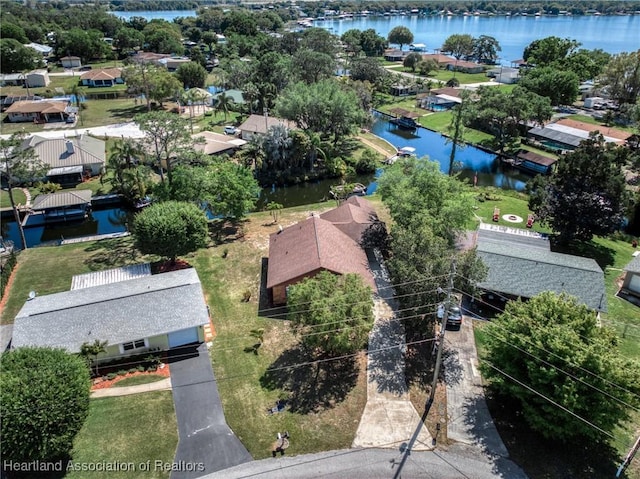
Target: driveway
x=204, y=435
x=469, y=419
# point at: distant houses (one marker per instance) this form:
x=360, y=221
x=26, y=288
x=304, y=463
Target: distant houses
x=40, y=111
x=102, y=77
x=567, y=134
x=70, y=62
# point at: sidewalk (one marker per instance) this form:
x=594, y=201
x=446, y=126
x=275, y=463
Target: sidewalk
x=389, y=419
x=162, y=385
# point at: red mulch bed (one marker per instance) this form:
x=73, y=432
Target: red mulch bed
x=164, y=371
x=166, y=266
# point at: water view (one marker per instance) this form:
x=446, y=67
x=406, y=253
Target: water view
x=613, y=34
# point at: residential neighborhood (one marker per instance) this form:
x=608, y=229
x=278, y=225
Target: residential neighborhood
x=302, y=240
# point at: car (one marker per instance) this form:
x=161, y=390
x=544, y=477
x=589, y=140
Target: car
x=454, y=317
x=230, y=130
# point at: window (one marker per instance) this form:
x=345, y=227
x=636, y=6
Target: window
x=133, y=345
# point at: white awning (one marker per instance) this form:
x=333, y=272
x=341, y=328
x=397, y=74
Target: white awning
x=65, y=170
x=450, y=98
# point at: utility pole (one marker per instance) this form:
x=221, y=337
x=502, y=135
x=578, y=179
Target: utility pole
x=443, y=327
x=629, y=458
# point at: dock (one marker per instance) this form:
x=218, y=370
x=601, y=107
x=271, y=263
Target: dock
x=84, y=239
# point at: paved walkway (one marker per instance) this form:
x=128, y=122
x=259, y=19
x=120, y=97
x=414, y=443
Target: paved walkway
x=469, y=419
x=162, y=385
x=389, y=419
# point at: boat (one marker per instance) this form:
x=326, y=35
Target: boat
x=404, y=152
x=358, y=189
x=405, y=122
x=142, y=203
x=6, y=247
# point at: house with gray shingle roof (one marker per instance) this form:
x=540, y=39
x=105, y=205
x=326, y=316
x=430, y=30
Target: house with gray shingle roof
x=146, y=313
x=631, y=282
x=520, y=266
x=320, y=243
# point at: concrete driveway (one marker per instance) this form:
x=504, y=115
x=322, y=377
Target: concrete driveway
x=206, y=444
x=469, y=419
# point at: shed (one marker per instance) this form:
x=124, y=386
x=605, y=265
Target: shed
x=147, y=313
x=38, y=79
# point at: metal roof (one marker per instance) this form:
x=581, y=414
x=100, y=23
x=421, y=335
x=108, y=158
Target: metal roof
x=557, y=136
x=117, y=312
x=525, y=272
x=108, y=276
x=83, y=150
x=65, y=170
x=61, y=199
x=634, y=265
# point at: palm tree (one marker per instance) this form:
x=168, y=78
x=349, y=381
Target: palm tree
x=124, y=156
x=250, y=93
x=277, y=143
x=315, y=143
x=224, y=103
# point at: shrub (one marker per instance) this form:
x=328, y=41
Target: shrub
x=152, y=369
x=122, y=372
x=246, y=296
x=6, y=272
x=225, y=252
x=111, y=376
x=133, y=370
x=140, y=368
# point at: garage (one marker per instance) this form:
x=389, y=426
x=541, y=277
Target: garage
x=182, y=337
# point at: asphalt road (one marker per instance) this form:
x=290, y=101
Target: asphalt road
x=206, y=443
x=459, y=462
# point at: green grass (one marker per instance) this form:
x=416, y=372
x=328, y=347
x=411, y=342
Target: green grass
x=463, y=78
x=592, y=121
x=127, y=429
x=18, y=197
x=440, y=122
x=49, y=269
x=137, y=380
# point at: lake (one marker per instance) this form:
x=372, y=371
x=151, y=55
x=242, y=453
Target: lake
x=613, y=34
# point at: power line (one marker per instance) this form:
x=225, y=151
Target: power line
x=549, y=399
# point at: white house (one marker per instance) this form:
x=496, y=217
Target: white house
x=38, y=79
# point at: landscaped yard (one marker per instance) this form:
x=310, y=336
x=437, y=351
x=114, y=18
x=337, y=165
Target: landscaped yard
x=18, y=197
x=440, y=122
x=127, y=429
x=138, y=380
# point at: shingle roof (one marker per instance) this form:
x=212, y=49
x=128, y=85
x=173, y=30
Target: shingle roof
x=605, y=130
x=65, y=198
x=216, y=142
x=352, y=217
x=102, y=74
x=511, y=236
x=260, y=124
x=634, y=265
x=310, y=245
x=117, y=312
x=525, y=272
x=38, y=107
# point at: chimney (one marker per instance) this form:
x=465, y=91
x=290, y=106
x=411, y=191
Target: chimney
x=70, y=147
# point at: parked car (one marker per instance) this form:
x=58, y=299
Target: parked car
x=454, y=317
x=230, y=130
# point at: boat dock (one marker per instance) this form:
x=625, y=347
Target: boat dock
x=84, y=239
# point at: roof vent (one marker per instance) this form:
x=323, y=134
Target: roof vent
x=70, y=147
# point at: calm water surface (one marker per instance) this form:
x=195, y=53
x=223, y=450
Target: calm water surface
x=613, y=34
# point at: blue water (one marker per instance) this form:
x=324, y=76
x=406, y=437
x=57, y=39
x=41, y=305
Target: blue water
x=613, y=34
x=470, y=161
x=111, y=220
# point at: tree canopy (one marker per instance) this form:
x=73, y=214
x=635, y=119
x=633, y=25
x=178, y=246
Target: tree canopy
x=192, y=75
x=44, y=394
x=14, y=57
x=560, y=86
x=400, y=35
x=622, y=76
x=334, y=313
x=459, y=45
x=170, y=229
x=223, y=188
x=555, y=346
x=586, y=195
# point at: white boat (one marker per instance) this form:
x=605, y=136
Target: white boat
x=404, y=152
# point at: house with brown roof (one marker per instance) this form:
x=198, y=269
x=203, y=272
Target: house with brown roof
x=211, y=143
x=465, y=67
x=259, y=124
x=328, y=242
x=102, y=77
x=439, y=58
x=39, y=111
x=534, y=162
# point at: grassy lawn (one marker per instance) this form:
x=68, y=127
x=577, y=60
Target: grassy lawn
x=18, y=197
x=127, y=429
x=592, y=121
x=137, y=380
x=463, y=78
x=440, y=122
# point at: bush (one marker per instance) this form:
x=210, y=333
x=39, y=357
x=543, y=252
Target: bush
x=122, y=372
x=367, y=163
x=6, y=272
x=140, y=368
x=111, y=376
x=133, y=370
x=48, y=187
x=246, y=296
x=152, y=369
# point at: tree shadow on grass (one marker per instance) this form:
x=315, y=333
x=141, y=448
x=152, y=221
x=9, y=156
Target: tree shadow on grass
x=127, y=113
x=578, y=460
x=112, y=254
x=604, y=256
x=224, y=231
x=311, y=387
